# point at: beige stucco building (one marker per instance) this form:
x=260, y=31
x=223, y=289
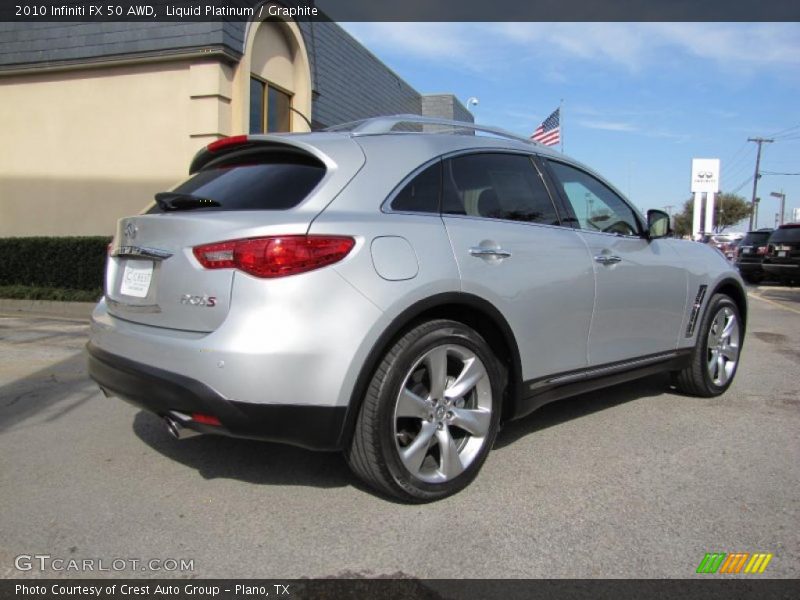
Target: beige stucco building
x=93, y=128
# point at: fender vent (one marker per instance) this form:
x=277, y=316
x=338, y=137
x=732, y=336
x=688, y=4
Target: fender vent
x=698, y=302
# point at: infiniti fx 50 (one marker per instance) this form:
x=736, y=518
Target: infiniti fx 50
x=396, y=288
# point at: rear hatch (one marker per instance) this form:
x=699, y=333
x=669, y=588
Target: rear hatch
x=258, y=186
x=753, y=246
x=784, y=245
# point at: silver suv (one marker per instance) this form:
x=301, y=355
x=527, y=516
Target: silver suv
x=396, y=288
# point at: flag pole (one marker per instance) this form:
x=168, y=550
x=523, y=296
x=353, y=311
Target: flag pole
x=561, y=122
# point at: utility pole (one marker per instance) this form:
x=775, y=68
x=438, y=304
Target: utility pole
x=759, y=141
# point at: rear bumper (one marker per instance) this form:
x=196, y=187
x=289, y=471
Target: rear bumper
x=751, y=267
x=161, y=392
x=782, y=269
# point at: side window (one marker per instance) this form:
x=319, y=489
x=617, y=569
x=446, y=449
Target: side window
x=596, y=207
x=496, y=186
x=421, y=194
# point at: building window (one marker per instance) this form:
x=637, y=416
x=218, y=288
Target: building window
x=270, y=107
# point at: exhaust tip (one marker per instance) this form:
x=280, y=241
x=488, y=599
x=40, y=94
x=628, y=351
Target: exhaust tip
x=178, y=431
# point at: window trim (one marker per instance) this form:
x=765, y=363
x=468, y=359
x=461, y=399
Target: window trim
x=265, y=105
x=565, y=202
x=386, y=206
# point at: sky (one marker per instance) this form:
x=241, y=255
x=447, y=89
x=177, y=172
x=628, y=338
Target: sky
x=640, y=100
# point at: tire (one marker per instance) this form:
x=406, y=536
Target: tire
x=715, y=359
x=438, y=387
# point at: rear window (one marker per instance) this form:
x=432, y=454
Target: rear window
x=756, y=237
x=279, y=183
x=786, y=234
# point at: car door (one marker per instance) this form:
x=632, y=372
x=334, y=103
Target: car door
x=641, y=284
x=511, y=249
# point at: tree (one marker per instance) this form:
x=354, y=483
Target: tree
x=729, y=209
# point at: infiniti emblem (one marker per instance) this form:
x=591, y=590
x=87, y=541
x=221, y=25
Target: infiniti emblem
x=130, y=231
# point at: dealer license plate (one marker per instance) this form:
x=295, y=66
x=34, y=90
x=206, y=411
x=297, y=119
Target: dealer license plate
x=136, y=278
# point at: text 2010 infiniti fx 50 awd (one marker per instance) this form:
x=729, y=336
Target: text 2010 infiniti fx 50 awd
x=396, y=294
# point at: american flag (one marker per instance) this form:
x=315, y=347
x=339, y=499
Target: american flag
x=549, y=132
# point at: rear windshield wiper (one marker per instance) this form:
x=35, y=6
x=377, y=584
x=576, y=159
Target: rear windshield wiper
x=183, y=201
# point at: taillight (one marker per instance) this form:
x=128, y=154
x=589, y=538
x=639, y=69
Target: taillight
x=234, y=140
x=275, y=256
x=206, y=419
x=761, y=251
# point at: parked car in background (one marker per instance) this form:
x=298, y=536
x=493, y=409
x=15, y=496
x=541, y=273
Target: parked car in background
x=729, y=249
x=722, y=242
x=750, y=253
x=782, y=259
x=396, y=294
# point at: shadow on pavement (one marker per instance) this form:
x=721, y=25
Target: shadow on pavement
x=64, y=383
x=64, y=386
x=568, y=409
x=251, y=461
x=264, y=463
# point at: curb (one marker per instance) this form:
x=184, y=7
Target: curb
x=49, y=308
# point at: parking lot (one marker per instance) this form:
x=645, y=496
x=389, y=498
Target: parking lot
x=632, y=481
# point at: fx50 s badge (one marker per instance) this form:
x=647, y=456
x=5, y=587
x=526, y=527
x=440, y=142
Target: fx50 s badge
x=209, y=301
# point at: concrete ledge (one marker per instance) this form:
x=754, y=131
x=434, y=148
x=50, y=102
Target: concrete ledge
x=50, y=308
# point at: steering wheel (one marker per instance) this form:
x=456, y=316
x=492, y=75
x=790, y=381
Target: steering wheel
x=622, y=227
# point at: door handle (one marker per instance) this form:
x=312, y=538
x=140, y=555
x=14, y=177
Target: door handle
x=606, y=259
x=481, y=252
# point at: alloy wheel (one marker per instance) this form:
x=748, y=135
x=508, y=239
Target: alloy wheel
x=723, y=346
x=443, y=413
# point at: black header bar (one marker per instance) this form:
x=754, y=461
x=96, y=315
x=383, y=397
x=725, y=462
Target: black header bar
x=707, y=588
x=401, y=10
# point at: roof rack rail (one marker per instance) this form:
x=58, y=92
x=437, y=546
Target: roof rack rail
x=387, y=124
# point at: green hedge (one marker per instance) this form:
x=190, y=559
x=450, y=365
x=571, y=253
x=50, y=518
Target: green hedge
x=64, y=263
x=28, y=292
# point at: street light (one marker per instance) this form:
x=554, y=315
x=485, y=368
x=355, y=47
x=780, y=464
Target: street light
x=782, y=196
x=472, y=101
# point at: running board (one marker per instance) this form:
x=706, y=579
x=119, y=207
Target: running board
x=538, y=392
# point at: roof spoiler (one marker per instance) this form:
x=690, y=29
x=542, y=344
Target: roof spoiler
x=224, y=146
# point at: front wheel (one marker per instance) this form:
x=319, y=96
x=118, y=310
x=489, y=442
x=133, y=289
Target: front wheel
x=716, y=355
x=430, y=415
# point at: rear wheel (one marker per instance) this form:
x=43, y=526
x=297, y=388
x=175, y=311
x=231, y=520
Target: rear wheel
x=716, y=355
x=430, y=415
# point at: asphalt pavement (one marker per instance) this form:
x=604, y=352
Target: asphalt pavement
x=631, y=481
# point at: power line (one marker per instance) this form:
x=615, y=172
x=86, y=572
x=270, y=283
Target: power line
x=777, y=173
x=783, y=132
x=734, y=170
x=741, y=185
x=733, y=158
x=729, y=166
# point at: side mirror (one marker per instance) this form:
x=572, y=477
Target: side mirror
x=657, y=224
